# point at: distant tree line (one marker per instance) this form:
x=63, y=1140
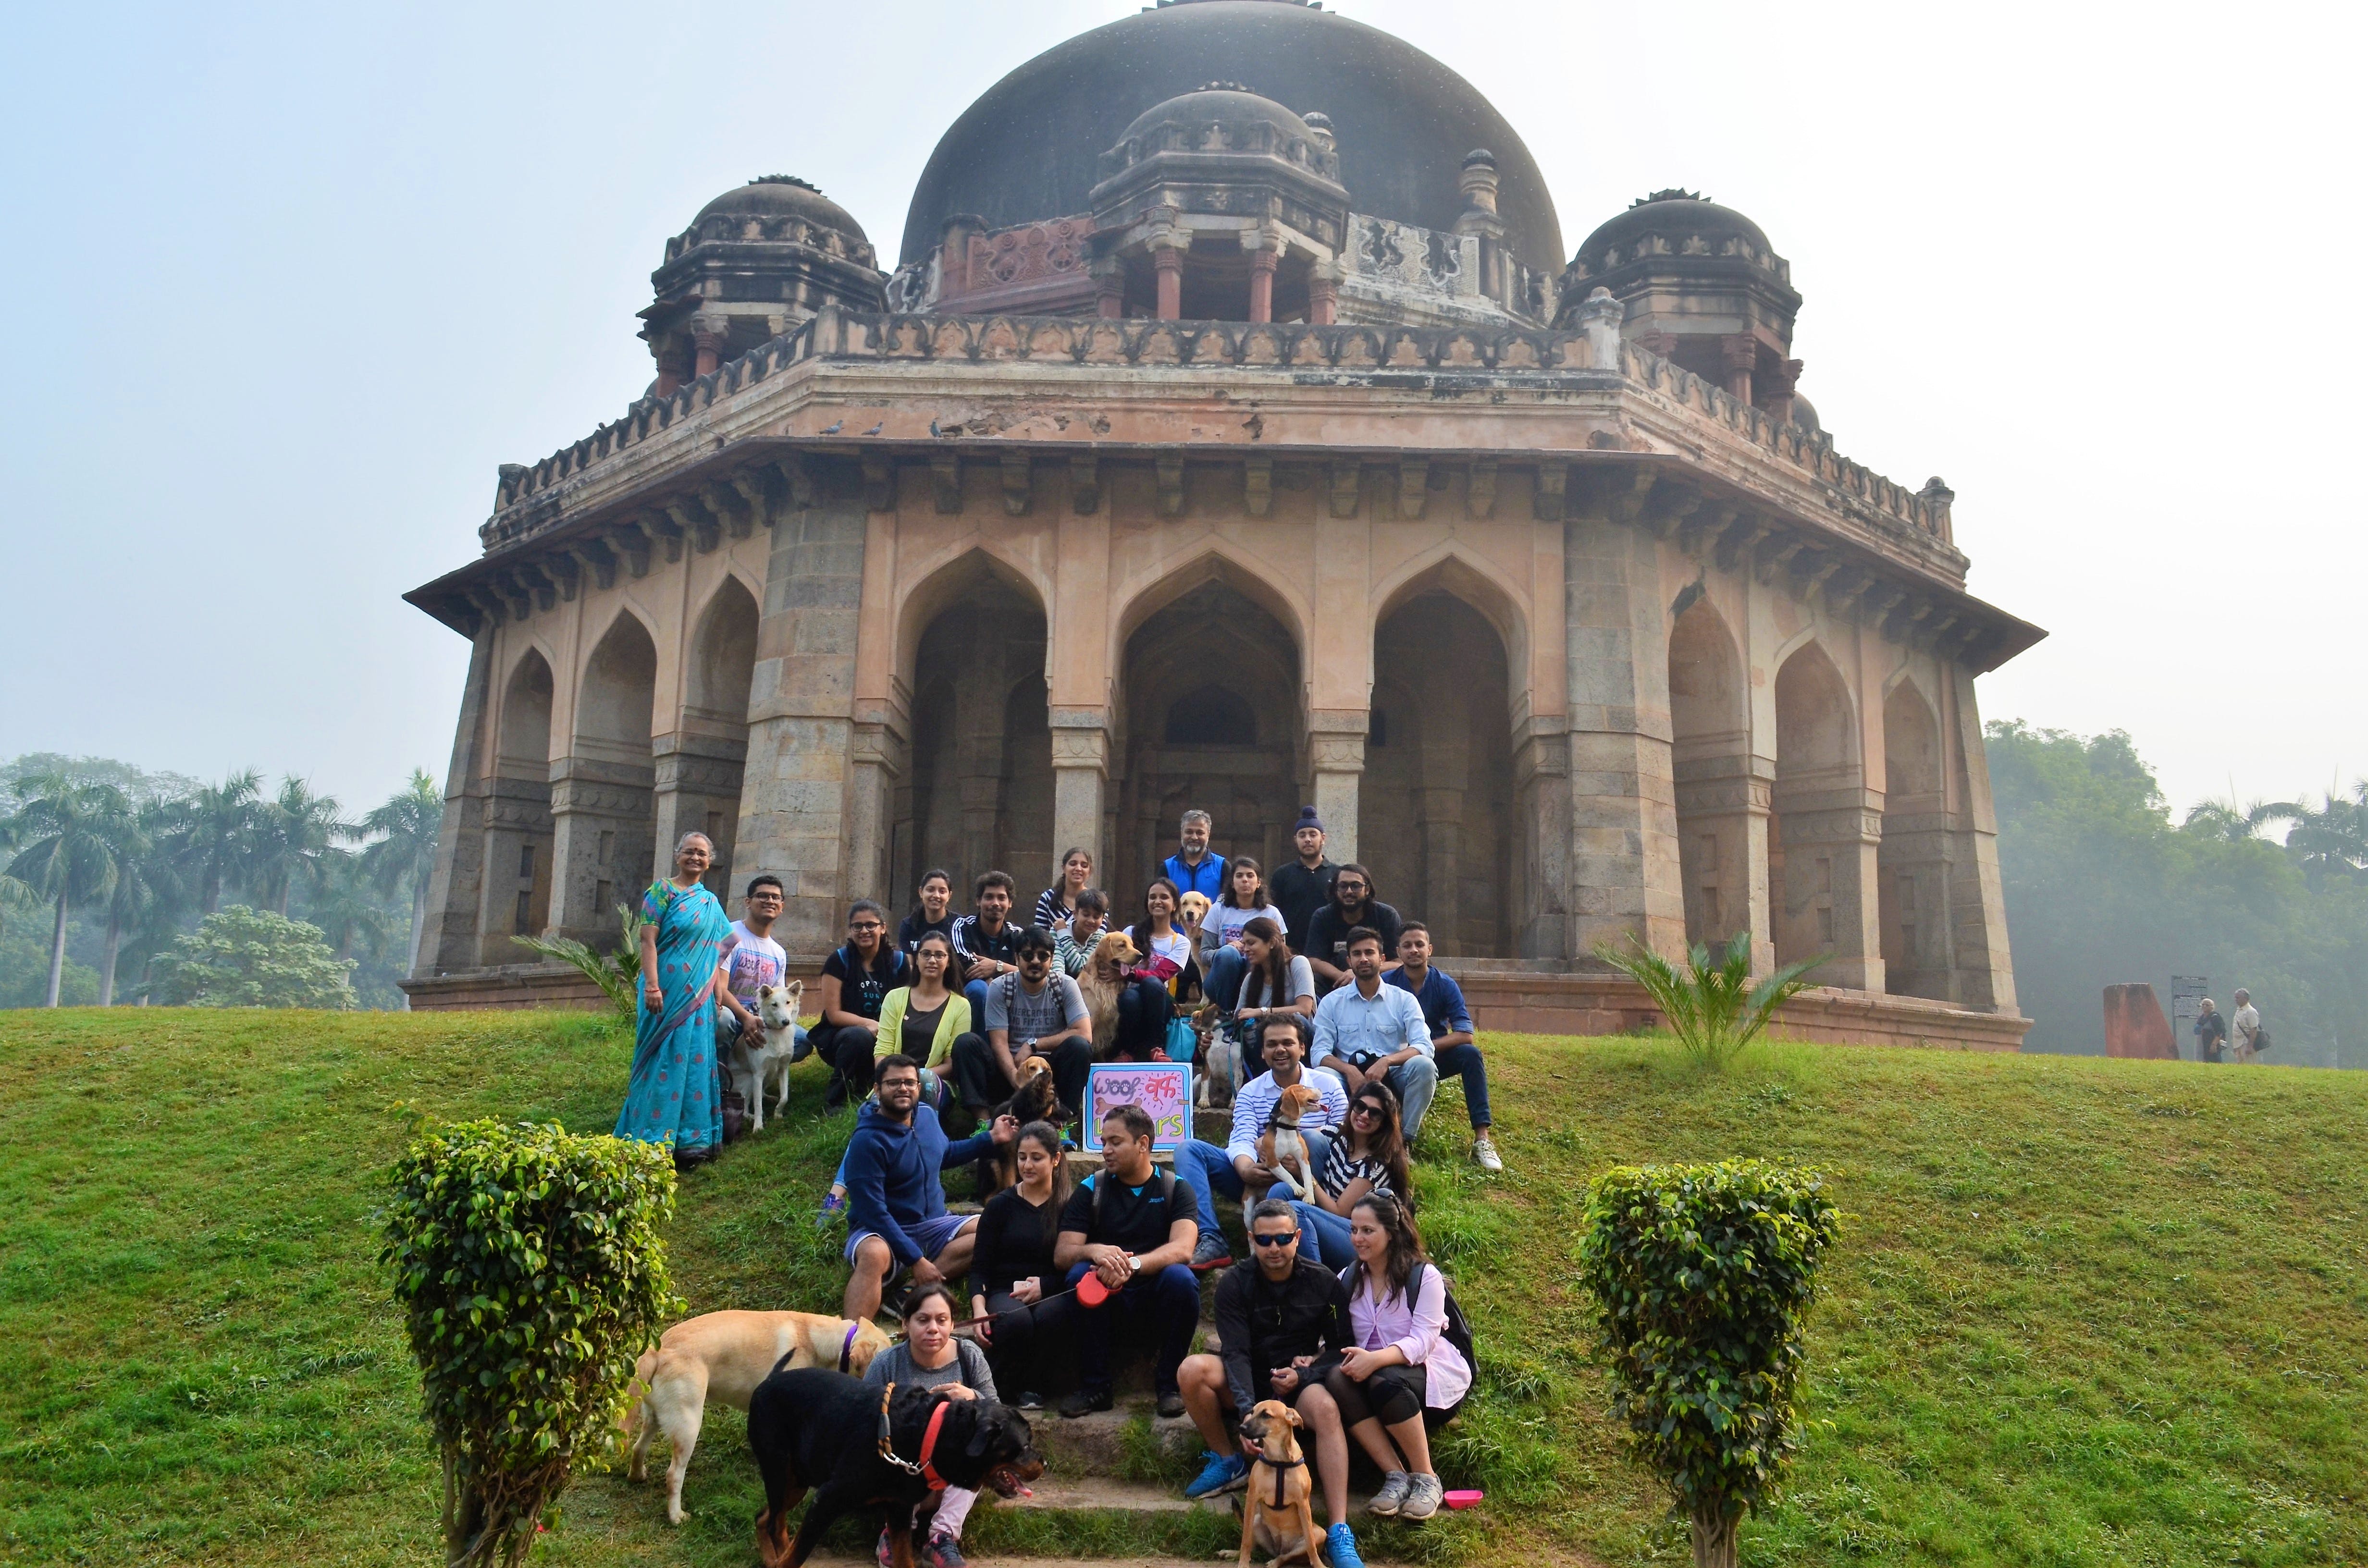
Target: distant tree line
x=104, y=868
x=2102, y=887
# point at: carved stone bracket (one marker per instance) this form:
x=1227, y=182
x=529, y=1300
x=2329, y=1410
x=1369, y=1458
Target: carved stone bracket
x=798, y=478
x=1669, y=505
x=1480, y=491
x=568, y=572
x=1169, y=467
x=1741, y=539
x=633, y=540
x=945, y=472
x=1015, y=481
x=595, y=554
x=1258, y=484
x=1775, y=560
x=1085, y=485
x=695, y=521
x=1546, y=502
x=1081, y=748
x=662, y=526
x=726, y=503
x=1414, y=477
x=879, y=484
x=1348, y=479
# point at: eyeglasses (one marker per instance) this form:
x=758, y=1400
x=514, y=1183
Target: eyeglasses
x=1282, y=1240
x=867, y=925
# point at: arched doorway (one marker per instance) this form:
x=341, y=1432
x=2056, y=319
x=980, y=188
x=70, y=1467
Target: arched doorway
x=978, y=793
x=1821, y=859
x=1722, y=798
x=1209, y=719
x=1913, y=859
x=518, y=864
x=1435, y=807
x=699, y=764
x=600, y=797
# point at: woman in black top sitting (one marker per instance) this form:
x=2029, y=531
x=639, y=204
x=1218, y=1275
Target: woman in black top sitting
x=856, y=980
x=1013, y=1282
x=934, y=912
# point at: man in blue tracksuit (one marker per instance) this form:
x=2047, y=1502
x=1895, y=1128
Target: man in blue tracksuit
x=896, y=1215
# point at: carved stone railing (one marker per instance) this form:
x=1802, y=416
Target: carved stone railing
x=1378, y=354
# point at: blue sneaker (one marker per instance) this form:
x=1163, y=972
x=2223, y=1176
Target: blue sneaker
x=1222, y=1472
x=1341, y=1545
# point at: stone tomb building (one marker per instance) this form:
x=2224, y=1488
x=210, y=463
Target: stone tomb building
x=1232, y=431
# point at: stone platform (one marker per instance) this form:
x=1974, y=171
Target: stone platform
x=1514, y=995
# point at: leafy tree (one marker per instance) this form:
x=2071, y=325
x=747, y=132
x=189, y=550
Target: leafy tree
x=213, y=836
x=67, y=835
x=530, y=1268
x=1701, y=1278
x=1714, y=1009
x=295, y=833
x=244, y=958
x=404, y=852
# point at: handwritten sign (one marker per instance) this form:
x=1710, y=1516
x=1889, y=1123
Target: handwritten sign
x=1164, y=1090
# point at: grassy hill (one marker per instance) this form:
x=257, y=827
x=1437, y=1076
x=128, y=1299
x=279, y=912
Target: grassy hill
x=2085, y=1311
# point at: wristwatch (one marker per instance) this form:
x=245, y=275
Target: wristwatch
x=1134, y=1264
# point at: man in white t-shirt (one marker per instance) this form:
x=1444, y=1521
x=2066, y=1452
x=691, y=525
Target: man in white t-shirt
x=2247, y=1025
x=751, y=959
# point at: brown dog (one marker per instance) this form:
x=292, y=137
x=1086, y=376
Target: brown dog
x=1276, y=1516
x=724, y=1356
x=1036, y=1099
x=1103, y=979
x=1281, y=1147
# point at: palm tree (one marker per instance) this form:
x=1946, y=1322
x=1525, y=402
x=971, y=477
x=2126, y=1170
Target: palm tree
x=347, y=907
x=66, y=834
x=2233, y=824
x=294, y=831
x=146, y=886
x=2331, y=839
x=213, y=836
x=404, y=852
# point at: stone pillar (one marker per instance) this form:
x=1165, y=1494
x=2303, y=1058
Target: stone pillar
x=1324, y=298
x=795, y=810
x=519, y=868
x=604, y=844
x=673, y=355
x=871, y=809
x=1600, y=319
x=1828, y=902
x=1081, y=745
x=449, y=940
x=1109, y=287
x=697, y=787
x=708, y=334
x=1984, y=969
x=1724, y=804
x=1169, y=261
x=1624, y=867
x=1781, y=389
x=1541, y=863
x=1738, y=354
x=1262, y=266
x=1336, y=754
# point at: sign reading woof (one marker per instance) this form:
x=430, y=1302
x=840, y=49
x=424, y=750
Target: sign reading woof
x=1164, y=1090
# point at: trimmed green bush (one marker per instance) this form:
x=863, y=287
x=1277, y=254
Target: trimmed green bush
x=530, y=1273
x=1701, y=1277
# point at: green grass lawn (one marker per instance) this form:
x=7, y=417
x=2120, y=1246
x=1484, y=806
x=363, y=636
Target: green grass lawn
x=2084, y=1311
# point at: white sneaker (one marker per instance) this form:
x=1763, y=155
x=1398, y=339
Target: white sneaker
x=1393, y=1493
x=1422, y=1499
x=1483, y=1152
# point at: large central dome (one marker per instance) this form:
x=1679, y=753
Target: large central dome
x=1028, y=148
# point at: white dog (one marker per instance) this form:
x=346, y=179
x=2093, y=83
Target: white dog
x=776, y=1009
x=1220, y=1060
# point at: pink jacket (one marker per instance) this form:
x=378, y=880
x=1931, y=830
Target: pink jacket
x=1416, y=1328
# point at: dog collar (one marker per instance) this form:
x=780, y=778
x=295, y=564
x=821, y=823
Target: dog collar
x=929, y=1446
x=847, y=1348
x=1279, y=1466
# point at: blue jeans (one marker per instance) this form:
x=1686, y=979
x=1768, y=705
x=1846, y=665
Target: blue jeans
x=1172, y=1297
x=1224, y=982
x=1414, y=1083
x=1463, y=1061
x=1325, y=1234
x=1208, y=1170
x=975, y=991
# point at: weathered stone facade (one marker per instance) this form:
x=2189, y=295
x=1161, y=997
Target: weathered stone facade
x=1571, y=643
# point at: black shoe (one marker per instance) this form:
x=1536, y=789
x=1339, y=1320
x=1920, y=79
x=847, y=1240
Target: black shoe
x=1171, y=1405
x=1085, y=1401
x=834, y=1096
x=1028, y=1400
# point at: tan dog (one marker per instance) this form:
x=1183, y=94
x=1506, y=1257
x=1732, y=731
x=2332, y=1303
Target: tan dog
x=1036, y=1098
x=1282, y=1146
x=776, y=1009
x=1101, y=981
x=1276, y=1516
x=724, y=1356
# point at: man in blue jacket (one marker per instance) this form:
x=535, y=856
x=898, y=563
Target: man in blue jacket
x=1195, y=868
x=896, y=1215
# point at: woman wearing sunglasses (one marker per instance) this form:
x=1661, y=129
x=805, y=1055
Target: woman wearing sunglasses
x=1368, y=1156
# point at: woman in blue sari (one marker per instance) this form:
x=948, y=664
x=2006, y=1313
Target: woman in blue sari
x=674, y=1096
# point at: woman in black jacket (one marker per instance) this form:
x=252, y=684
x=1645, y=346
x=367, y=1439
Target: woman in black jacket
x=1014, y=1285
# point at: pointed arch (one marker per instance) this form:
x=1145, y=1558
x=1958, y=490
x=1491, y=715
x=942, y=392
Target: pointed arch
x=515, y=856
x=1817, y=720
x=522, y=745
x=724, y=657
x=1913, y=861
x=1707, y=698
x=1821, y=857
x=1211, y=559
x=944, y=578
x=1911, y=745
x=1451, y=567
x=616, y=695
x=1722, y=827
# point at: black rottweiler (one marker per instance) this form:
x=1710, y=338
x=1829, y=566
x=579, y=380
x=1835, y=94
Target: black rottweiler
x=821, y=1429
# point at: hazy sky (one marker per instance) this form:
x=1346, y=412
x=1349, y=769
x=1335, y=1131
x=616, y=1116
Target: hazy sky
x=287, y=283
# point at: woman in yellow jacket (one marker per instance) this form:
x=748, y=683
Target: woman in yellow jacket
x=924, y=1020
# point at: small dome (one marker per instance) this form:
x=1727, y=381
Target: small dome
x=1805, y=413
x=1220, y=103
x=1684, y=220
x=782, y=196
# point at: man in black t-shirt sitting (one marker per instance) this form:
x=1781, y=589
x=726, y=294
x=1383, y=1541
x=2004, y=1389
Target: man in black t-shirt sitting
x=1282, y=1321
x=1354, y=903
x=1133, y=1227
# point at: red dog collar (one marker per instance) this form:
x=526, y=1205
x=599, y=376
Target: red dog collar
x=929, y=1446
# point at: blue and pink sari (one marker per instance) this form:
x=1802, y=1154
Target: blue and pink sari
x=673, y=1096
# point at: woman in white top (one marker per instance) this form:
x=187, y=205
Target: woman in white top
x=1273, y=982
x=1167, y=970
x=1244, y=900
x=1401, y=1379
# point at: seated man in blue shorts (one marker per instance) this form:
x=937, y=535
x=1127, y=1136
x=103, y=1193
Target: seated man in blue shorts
x=896, y=1215
x=1234, y=1170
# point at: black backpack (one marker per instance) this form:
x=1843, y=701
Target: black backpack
x=1455, y=1327
x=1167, y=1175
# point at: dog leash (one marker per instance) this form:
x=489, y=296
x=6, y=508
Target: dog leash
x=847, y=1348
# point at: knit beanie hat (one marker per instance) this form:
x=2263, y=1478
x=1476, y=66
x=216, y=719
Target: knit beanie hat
x=1307, y=818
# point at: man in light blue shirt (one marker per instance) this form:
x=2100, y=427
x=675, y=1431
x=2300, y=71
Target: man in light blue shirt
x=1367, y=1030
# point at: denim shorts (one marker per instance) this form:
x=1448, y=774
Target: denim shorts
x=932, y=1236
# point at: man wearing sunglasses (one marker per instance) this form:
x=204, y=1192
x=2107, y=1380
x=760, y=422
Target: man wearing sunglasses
x=1282, y=1321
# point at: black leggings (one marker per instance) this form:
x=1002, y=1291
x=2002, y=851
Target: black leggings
x=1026, y=1340
x=1144, y=1009
x=1393, y=1395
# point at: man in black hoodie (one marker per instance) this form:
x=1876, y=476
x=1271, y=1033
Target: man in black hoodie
x=896, y=1215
